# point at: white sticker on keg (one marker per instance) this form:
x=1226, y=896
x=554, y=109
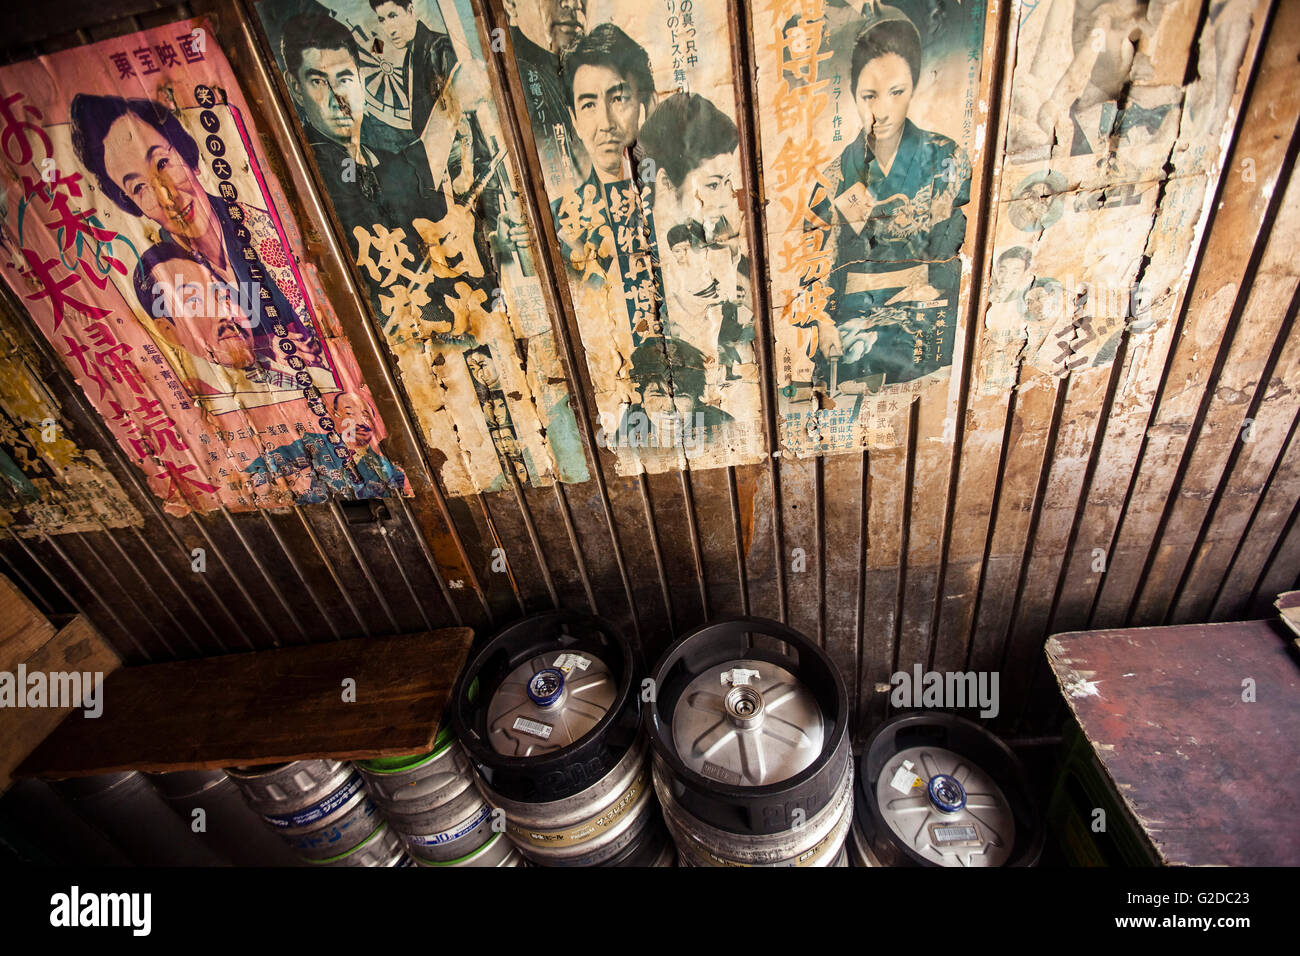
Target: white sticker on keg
x=533, y=727
x=568, y=661
x=738, y=676
x=905, y=779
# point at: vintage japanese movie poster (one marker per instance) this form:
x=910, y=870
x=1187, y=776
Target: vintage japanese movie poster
x=1105, y=174
x=633, y=113
x=395, y=104
x=141, y=231
x=869, y=130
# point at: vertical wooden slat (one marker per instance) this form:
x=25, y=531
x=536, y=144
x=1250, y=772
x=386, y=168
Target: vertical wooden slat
x=1273, y=510
x=1228, y=419
x=886, y=494
x=802, y=560
x=1240, y=211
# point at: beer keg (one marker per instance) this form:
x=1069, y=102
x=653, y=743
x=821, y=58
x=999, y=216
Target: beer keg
x=382, y=848
x=319, y=807
x=554, y=737
x=497, y=851
x=935, y=789
x=133, y=815
x=431, y=800
x=229, y=825
x=752, y=765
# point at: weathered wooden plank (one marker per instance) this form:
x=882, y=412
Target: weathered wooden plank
x=1060, y=498
x=1264, y=437
x=842, y=505
x=804, y=562
x=1267, y=525
x=709, y=491
x=524, y=560
x=886, y=495
x=264, y=707
x=1243, y=208
x=1283, y=570
x=1223, y=430
x=930, y=462
x=77, y=647
x=1197, y=727
x=1018, y=501
x=22, y=627
x=675, y=541
x=765, y=561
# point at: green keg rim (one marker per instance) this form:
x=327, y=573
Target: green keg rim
x=334, y=859
x=461, y=859
x=411, y=761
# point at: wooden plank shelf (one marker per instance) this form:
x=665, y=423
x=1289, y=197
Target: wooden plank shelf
x=264, y=707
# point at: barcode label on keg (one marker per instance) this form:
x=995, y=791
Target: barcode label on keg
x=533, y=727
x=568, y=661
x=954, y=834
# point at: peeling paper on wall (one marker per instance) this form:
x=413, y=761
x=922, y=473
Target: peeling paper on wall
x=1109, y=168
x=144, y=232
x=869, y=181
x=50, y=484
x=414, y=163
x=645, y=202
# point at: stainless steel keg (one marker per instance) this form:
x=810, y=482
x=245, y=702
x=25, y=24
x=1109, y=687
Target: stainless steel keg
x=936, y=789
x=553, y=737
x=127, y=808
x=229, y=825
x=382, y=848
x=431, y=800
x=497, y=851
x=319, y=807
x=750, y=732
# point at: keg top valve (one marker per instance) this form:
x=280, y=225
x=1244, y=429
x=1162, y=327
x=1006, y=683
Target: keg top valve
x=744, y=702
x=546, y=686
x=947, y=793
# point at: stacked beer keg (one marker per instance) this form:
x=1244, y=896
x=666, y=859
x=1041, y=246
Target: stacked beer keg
x=229, y=825
x=935, y=789
x=554, y=739
x=752, y=761
x=432, y=804
x=132, y=814
x=321, y=810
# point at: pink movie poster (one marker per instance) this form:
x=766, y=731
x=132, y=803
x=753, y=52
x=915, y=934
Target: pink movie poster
x=144, y=233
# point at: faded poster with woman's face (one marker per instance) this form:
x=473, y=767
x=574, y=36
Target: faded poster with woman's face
x=869, y=127
x=139, y=232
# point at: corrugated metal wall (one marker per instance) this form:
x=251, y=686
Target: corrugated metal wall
x=1163, y=487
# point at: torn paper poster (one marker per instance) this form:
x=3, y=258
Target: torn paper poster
x=395, y=104
x=49, y=484
x=1109, y=166
x=633, y=113
x=869, y=126
x=140, y=233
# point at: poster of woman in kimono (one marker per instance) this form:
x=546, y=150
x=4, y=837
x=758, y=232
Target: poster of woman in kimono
x=868, y=130
x=139, y=230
